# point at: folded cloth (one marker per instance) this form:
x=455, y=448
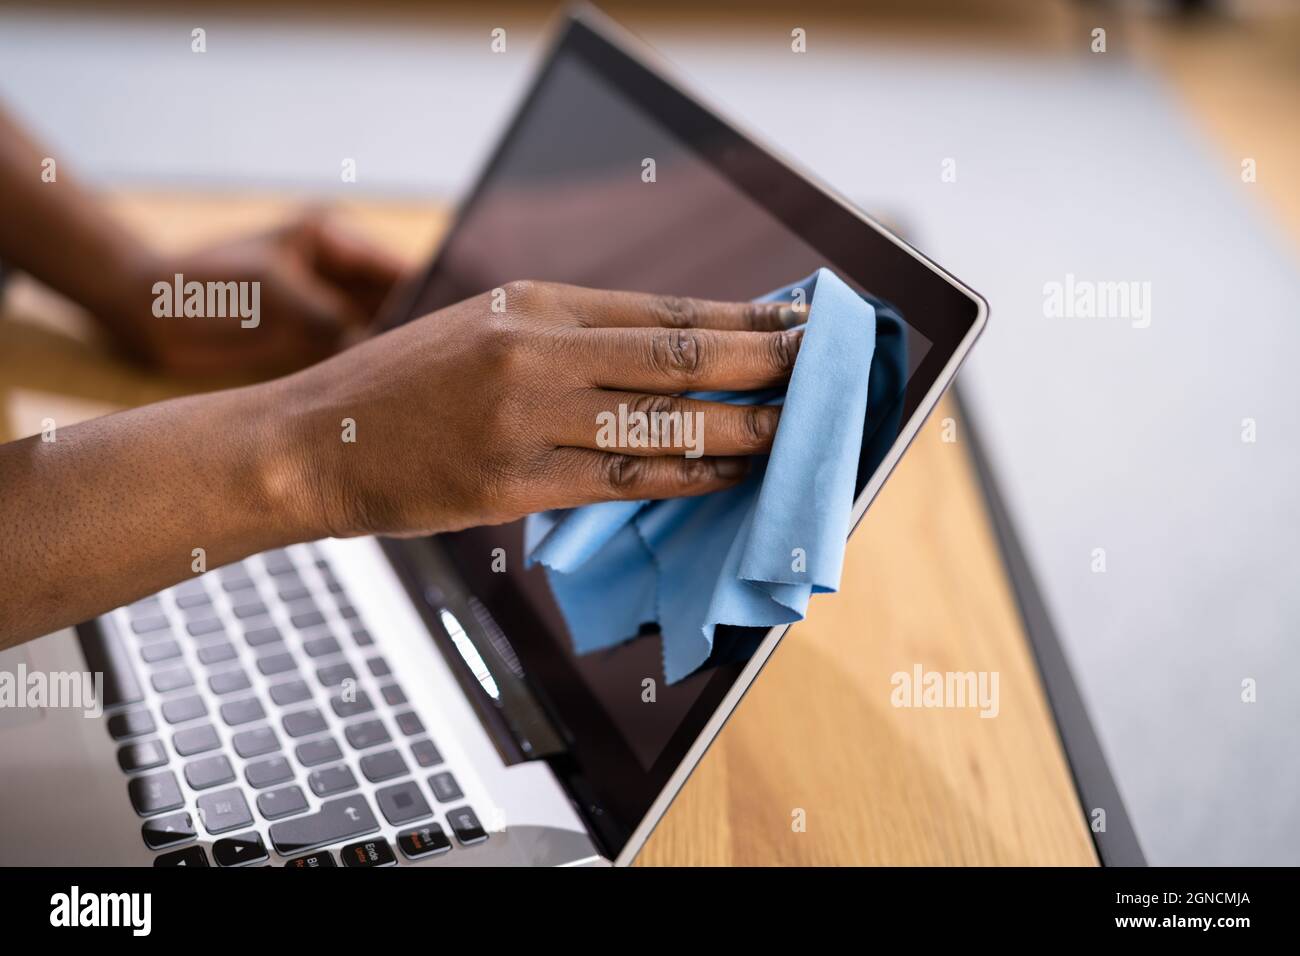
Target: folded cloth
x=751, y=555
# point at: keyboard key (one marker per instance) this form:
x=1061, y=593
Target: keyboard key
x=384, y=765
x=251, y=608
x=362, y=637
x=130, y=723
x=292, y=590
x=321, y=859
x=209, y=772
x=147, y=625
x=367, y=733
x=425, y=753
x=184, y=708
x=378, y=667
x=155, y=793
x=245, y=711
x=174, y=679
x=218, y=653
x=144, y=755
x=205, y=625
x=303, y=606
x=348, y=612
x=402, y=803
x=233, y=585
x=195, y=740
x=307, y=619
x=290, y=692
x=345, y=708
x=336, y=674
x=304, y=722
x=445, y=787
x=337, y=820
x=375, y=852
x=168, y=831
x=393, y=695
x=229, y=682
x=267, y=773
x=160, y=651
x=319, y=751
x=191, y=856
x=423, y=841
x=408, y=722
x=201, y=610
x=275, y=804
x=464, y=823
x=273, y=664
x=146, y=605
x=331, y=780
x=261, y=636
x=255, y=742
x=224, y=810
x=278, y=562
x=240, y=850
x=322, y=646
x=193, y=600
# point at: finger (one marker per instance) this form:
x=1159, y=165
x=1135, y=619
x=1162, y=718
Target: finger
x=640, y=424
x=680, y=360
x=346, y=255
x=597, y=308
x=314, y=305
x=584, y=476
x=362, y=270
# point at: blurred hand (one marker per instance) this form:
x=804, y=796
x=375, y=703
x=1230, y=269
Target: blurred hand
x=318, y=281
x=475, y=415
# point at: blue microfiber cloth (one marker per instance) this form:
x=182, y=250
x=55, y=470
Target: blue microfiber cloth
x=751, y=555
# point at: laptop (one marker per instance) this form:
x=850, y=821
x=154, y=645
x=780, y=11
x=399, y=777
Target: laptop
x=370, y=702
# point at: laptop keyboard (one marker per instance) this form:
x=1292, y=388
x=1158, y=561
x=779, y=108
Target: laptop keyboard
x=275, y=721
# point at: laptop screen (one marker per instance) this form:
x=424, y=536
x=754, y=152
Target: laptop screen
x=565, y=199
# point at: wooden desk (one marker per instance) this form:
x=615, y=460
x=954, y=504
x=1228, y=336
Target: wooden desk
x=923, y=585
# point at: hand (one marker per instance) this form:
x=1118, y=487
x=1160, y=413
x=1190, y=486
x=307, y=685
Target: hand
x=317, y=281
x=472, y=416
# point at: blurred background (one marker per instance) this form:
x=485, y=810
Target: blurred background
x=1019, y=143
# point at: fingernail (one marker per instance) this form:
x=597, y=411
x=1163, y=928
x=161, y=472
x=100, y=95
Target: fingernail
x=731, y=467
x=789, y=318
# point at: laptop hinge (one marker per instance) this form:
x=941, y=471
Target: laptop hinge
x=477, y=651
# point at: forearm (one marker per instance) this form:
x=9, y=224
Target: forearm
x=117, y=508
x=60, y=233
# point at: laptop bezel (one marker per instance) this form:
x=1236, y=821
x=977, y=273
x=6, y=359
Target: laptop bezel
x=597, y=25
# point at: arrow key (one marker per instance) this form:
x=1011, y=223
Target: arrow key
x=240, y=850
x=167, y=831
x=190, y=856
